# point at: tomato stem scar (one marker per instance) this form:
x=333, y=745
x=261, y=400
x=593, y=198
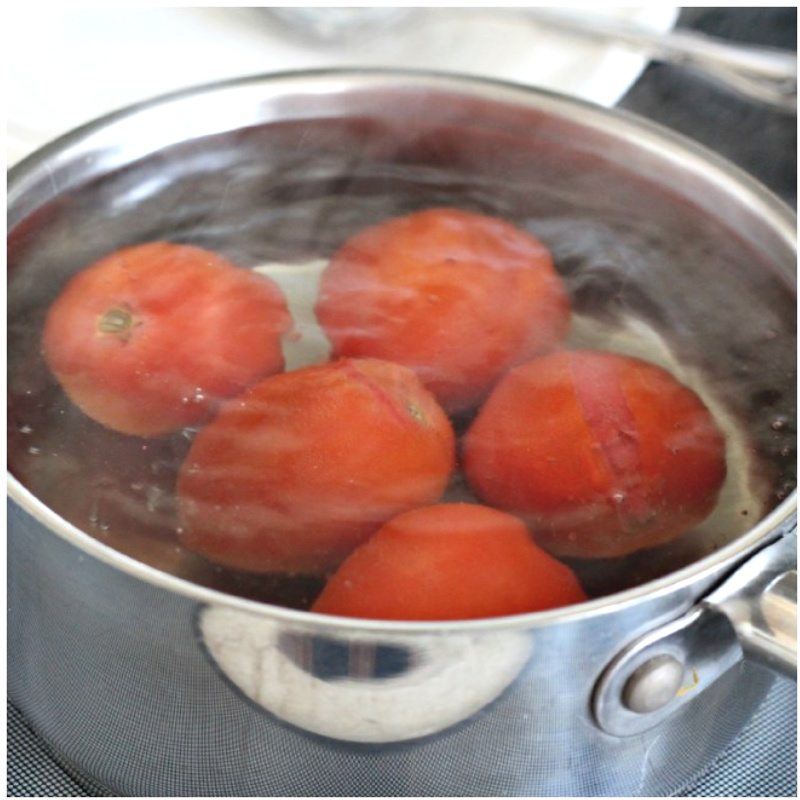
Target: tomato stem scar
x=115, y=321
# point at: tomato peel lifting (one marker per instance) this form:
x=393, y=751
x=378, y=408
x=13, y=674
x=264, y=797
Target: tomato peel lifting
x=602, y=454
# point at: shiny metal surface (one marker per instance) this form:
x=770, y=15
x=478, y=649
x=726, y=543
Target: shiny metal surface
x=120, y=644
x=703, y=642
x=764, y=74
x=670, y=666
x=122, y=678
x=653, y=684
x=761, y=602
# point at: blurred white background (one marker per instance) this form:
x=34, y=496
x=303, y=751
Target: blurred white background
x=67, y=65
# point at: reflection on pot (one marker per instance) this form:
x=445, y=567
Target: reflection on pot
x=356, y=689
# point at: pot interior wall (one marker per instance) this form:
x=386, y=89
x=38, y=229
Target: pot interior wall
x=648, y=267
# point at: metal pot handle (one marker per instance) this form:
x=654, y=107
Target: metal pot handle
x=760, y=600
x=752, y=614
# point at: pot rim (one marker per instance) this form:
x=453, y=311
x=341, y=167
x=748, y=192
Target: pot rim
x=648, y=135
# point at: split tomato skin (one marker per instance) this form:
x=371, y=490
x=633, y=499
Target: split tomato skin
x=453, y=561
x=304, y=466
x=602, y=454
x=151, y=338
x=457, y=296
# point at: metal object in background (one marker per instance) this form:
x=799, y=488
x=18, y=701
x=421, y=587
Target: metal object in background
x=765, y=74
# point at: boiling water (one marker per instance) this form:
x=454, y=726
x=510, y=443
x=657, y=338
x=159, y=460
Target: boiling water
x=648, y=276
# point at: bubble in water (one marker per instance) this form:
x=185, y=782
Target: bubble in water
x=197, y=396
x=779, y=424
x=34, y=450
x=153, y=498
x=25, y=429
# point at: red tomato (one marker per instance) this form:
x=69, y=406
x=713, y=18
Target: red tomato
x=456, y=296
x=151, y=338
x=448, y=562
x=301, y=468
x=602, y=454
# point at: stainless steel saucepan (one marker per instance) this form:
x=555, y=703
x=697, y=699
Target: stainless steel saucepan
x=160, y=674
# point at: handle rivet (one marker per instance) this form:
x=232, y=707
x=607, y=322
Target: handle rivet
x=653, y=684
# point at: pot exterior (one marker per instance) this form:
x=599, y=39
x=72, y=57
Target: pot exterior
x=153, y=693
